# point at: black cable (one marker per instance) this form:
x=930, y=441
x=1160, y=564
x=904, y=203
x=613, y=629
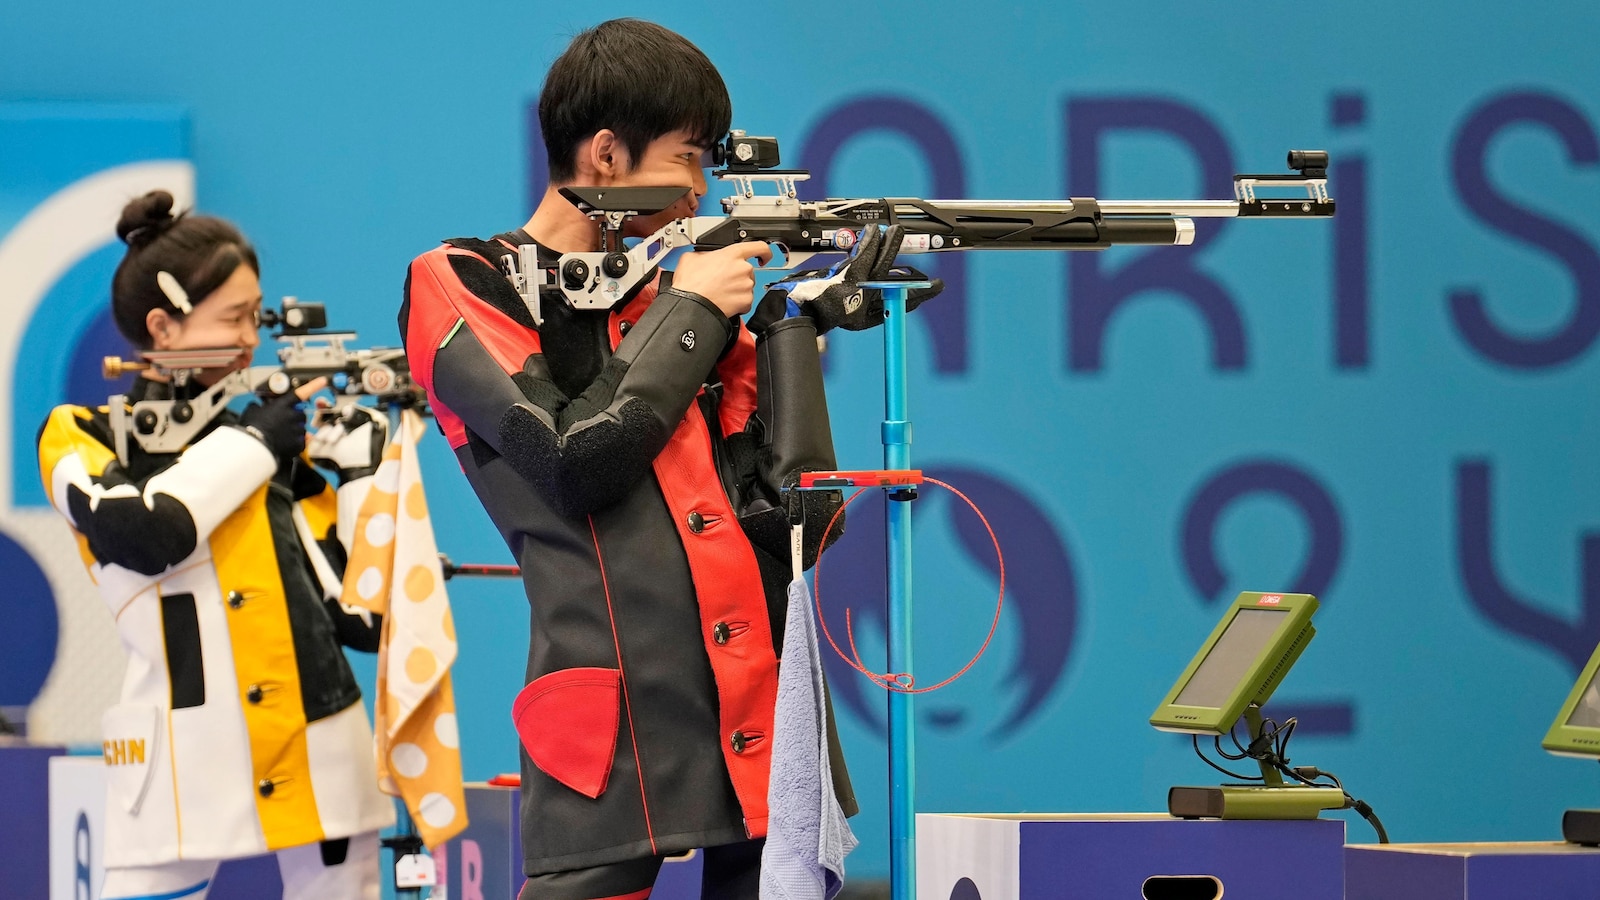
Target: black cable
x=1360, y=806
x=1307, y=773
x=1277, y=737
x=1283, y=738
x=1272, y=747
x=1234, y=733
x=1313, y=773
x=1217, y=740
x=1213, y=765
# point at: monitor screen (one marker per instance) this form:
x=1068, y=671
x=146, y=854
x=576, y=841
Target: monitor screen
x=1248, y=652
x=1587, y=713
x=1575, y=730
x=1230, y=659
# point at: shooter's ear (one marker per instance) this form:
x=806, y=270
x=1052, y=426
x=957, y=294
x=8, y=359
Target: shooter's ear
x=160, y=325
x=604, y=155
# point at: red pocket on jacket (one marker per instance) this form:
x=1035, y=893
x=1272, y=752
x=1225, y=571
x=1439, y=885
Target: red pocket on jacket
x=568, y=721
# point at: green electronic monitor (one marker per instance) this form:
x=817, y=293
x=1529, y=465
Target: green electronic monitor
x=1576, y=731
x=1240, y=664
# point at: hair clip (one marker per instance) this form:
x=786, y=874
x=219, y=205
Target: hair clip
x=174, y=291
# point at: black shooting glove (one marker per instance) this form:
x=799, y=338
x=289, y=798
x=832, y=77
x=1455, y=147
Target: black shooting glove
x=279, y=422
x=833, y=297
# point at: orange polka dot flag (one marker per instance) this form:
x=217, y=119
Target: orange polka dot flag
x=394, y=571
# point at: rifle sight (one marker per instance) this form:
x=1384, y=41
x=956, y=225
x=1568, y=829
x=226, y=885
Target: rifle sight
x=740, y=152
x=296, y=317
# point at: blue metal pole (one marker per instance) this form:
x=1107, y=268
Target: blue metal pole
x=902, y=725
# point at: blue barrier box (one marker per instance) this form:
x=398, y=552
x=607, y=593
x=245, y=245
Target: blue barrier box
x=24, y=811
x=1116, y=855
x=1514, y=871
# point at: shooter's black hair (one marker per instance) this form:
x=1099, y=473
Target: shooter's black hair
x=637, y=79
x=200, y=252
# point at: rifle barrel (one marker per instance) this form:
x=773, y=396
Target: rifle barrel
x=1205, y=209
x=1198, y=209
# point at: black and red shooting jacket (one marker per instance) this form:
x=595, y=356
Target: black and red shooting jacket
x=620, y=454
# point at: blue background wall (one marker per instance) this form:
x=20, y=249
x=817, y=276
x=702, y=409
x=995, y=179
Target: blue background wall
x=1391, y=410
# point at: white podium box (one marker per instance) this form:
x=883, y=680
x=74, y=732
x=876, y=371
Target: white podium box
x=77, y=827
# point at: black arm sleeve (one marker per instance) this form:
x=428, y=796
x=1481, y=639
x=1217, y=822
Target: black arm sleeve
x=793, y=435
x=145, y=536
x=584, y=453
x=156, y=514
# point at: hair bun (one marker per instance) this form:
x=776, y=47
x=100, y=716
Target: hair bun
x=144, y=219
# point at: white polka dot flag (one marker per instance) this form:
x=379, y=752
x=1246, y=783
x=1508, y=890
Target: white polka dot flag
x=394, y=571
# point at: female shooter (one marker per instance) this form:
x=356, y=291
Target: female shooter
x=240, y=728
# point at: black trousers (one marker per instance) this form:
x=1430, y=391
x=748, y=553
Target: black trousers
x=730, y=872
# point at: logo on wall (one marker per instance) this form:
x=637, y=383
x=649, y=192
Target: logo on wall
x=70, y=169
x=1041, y=599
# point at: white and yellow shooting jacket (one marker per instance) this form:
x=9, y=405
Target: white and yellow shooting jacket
x=240, y=728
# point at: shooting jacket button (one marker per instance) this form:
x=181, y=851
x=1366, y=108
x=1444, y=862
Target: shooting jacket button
x=699, y=521
x=624, y=327
x=720, y=633
x=235, y=599
x=265, y=787
x=738, y=742
x=254, y=693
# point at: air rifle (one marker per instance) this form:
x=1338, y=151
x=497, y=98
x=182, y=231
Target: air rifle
x=805, y=228
x=308, y=351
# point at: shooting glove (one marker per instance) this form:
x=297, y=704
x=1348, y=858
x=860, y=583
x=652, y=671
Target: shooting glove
x=833, y=297
x=350, y=441
x=279, y=422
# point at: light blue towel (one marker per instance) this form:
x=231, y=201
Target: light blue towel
x=807, y=835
